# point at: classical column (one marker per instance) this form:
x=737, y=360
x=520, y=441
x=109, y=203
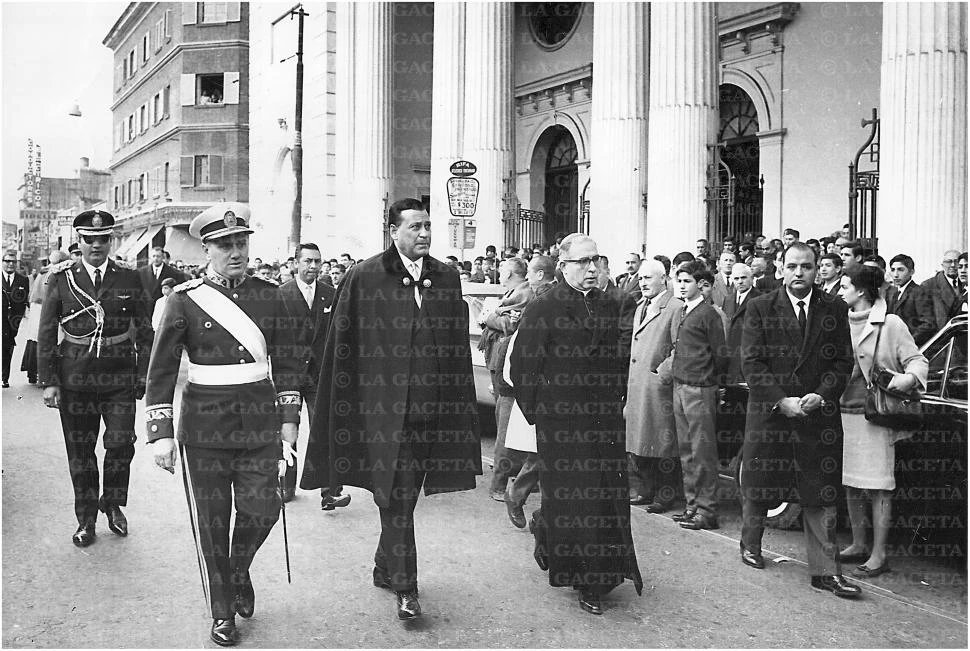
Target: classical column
x=487, y=110
x=364, y=121
x=683, y=123
x=447, y=111
x=923, y=132
x=619, y=128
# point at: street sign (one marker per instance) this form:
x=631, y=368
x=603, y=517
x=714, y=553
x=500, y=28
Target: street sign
x=454, y=233
x=463, y=168
x=461, y=233
x=462, y=196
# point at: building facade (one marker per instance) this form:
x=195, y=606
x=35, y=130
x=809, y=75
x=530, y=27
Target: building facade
x=180, y=120
x=645, y=125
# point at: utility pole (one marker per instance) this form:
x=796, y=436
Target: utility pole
x=296, y=219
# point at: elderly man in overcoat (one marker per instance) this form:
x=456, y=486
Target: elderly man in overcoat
x=569, y=368
x=651, y=433
x=396, y=399
x=796, y=358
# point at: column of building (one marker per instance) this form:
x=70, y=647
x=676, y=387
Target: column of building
x=683, y=123
x=923, y=132
x=364, y=131
x=619, y=128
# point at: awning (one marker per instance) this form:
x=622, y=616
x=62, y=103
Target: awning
x=144, y=240
x=131, y=238
x=182, y=246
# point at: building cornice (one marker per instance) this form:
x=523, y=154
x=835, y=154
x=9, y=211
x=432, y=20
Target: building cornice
x=771, y=20
x=174, y=52
x=560, y=79
x=171, y=133
x=135, y=11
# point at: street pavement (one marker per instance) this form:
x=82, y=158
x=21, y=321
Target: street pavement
x=479, y=584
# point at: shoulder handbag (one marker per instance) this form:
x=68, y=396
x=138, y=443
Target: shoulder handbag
x=888, y=408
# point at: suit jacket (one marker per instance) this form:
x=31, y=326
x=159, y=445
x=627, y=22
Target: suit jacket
x=943, y=297
x=78, y=366
x=650, y=427
x=310, y=325
x=230, y=415
x=767, y=283
x=15, y=297
x=833, y=290
x=721, y=289
x=735, y=314
x=915, y=309
x=799, y=458
x=630, y=284
x=153, y=285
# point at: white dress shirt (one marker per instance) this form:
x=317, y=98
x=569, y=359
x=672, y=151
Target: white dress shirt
x=90, y=269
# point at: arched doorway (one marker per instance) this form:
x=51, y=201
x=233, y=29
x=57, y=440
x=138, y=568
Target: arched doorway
x=737, y=207
x=555, y=184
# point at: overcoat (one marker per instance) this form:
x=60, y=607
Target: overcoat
x=362, y=394
x=650, y=427
x=569, y=366
x=797, y=459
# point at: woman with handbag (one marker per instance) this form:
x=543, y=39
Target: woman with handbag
x=875, y=412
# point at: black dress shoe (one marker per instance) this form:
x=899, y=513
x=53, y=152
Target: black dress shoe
x=590, y=602
x=516, y=514
x=329, y=502
x=637, y=500
x=6, y=385
x=837, y=585
x=752, y=559
x=244, y=601
x=382, y=580
x=84, y=535
x=223, y=632
x=539, y=553
x=407, y=605
x=686, y=515
x=699, y=521
x=657, y=507
x=117, y=521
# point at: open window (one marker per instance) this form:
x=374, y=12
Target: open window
x=210, y=89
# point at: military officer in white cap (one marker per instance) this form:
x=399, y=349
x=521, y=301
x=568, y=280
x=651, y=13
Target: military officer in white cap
x=97, y=372
x=235, y=409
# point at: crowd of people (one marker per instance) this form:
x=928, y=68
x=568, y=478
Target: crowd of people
x=606, y=388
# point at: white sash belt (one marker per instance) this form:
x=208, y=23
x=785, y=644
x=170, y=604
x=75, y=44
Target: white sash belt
x=227, y=374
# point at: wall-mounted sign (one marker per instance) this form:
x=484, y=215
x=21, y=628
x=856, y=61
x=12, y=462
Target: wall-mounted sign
x=462, y=168
x=462, y=196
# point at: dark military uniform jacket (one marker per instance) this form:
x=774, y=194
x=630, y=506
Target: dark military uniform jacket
x=108, y=334
x=235, y=397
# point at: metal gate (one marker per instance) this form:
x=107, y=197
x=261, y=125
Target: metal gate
x=864, y=188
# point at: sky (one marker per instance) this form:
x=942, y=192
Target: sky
x=51, y=56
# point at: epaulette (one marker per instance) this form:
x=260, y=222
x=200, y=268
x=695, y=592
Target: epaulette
x=188, y=284
x=61, y=266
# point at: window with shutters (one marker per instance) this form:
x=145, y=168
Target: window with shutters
x=209, y=89
x=146, y=47
x=143, y=119
x=131, y=64
x=131, y=128
x=117, y=195
x=156, y=178
x=157, y=108
x=166, y=98
x=142, y=186
x=201, y=171
x=165, y=180
x=212, y=12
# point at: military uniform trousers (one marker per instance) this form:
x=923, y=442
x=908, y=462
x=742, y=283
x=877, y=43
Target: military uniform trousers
x=215, y=479
x=397, y=553
x=81, y=415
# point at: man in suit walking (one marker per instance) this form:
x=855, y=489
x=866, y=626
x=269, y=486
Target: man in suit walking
x=16, y=291
x=651, y=432
x=308, y=301
x=909, y=301
x=945, y=289
x=796, y=358
x=734, y=307
x=97, y=372
x=153, y=273
x=397, y=396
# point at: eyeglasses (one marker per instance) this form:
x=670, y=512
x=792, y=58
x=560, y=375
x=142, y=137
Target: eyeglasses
x=585, y=262
x=91, y=239
x=949, y=261
x=9, y=260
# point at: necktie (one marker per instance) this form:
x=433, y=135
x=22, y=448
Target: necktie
x=802, y=320
x=97, y=281
x=308, y=295
x=416, y=275
x=739, y=300
x=646, y=310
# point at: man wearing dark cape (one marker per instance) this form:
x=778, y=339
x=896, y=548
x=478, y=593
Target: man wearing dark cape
x=396, y=396
x=569, y=367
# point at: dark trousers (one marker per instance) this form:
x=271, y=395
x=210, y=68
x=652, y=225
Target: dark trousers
x=81, y=415
x=819, y=524
x=214, y=479
x=655, y=478
x=527, y=479
x=508, y=462
x=397, y=553
x=8, y=344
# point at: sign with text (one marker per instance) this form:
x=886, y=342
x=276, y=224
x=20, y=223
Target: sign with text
x=461, y=233
x=462, y=196
x=462, y=168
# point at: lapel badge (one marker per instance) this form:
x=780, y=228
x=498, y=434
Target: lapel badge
x=229, y=219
